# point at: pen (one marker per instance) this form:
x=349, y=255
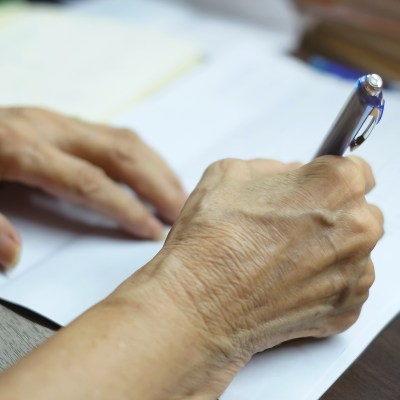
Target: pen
x=362, y=112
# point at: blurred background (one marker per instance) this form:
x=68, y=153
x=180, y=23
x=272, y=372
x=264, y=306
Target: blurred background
x=361, y=34
x=344, y=37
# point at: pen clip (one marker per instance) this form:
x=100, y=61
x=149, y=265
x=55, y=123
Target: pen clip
x=374, y=118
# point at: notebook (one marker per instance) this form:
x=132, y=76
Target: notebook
x=51, y=58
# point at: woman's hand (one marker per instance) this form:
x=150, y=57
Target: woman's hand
x=263, y=253
x=80, y=162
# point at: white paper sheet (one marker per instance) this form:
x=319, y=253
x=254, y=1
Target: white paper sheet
x=67, y=266
x=246, y=102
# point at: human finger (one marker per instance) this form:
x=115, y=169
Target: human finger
x=365, y=281
x=10, y=244
x=332, y=180
x=379, y=218
x=377, y=214
x=366, y=172
x=82, y=183
x=119, y=152
x=126, y=158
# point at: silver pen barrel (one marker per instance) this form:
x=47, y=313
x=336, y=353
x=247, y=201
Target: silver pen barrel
x=351, y=118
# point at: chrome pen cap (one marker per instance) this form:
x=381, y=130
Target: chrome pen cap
x=361, y=113
x=369, y=88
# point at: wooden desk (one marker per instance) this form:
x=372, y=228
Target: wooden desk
x=374, y=376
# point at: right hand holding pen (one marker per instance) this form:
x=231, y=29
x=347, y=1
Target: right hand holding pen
x=263, y=253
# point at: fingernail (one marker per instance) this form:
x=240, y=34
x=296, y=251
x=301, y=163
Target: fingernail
x=10, y=250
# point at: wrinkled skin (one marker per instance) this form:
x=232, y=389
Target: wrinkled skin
x=262, y=253
x=80, y=162
x=265, y=252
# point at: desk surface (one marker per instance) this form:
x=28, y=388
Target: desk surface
x=375, y=375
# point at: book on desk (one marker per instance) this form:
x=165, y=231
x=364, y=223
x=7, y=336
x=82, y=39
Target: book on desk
x=362, y=34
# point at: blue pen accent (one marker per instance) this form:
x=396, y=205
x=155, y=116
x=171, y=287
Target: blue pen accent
x=361, y=114
x=325, y=65
x=369, y=100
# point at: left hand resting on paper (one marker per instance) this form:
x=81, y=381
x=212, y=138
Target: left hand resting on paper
x=80, y=162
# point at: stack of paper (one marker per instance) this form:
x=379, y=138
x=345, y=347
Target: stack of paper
x=87, y=67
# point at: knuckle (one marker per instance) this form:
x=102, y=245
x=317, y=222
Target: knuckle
x=377, y=225
x=338, y=178
x=38, y=111
x=6, y=133
x=273, y=164
x=27, y=157
x=359, y=221
x=25, y=111
x=364, y=224
x=122, y=151
x=366, y=280
x=363, y=297
x=89, y=181
x=346, y=172
x=370, y=278
x=268, y=166
x=212, y=168
x=127, y=135
x=10, y=135
x=29, y=112
x=340, y=287
x=229, y=165
x=341, y=171
x=348, y=319
x=16, y=112
x=14, y=140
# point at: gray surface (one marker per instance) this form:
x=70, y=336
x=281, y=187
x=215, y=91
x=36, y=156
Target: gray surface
x=18, y=336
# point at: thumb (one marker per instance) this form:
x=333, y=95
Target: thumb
x=10, y=244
